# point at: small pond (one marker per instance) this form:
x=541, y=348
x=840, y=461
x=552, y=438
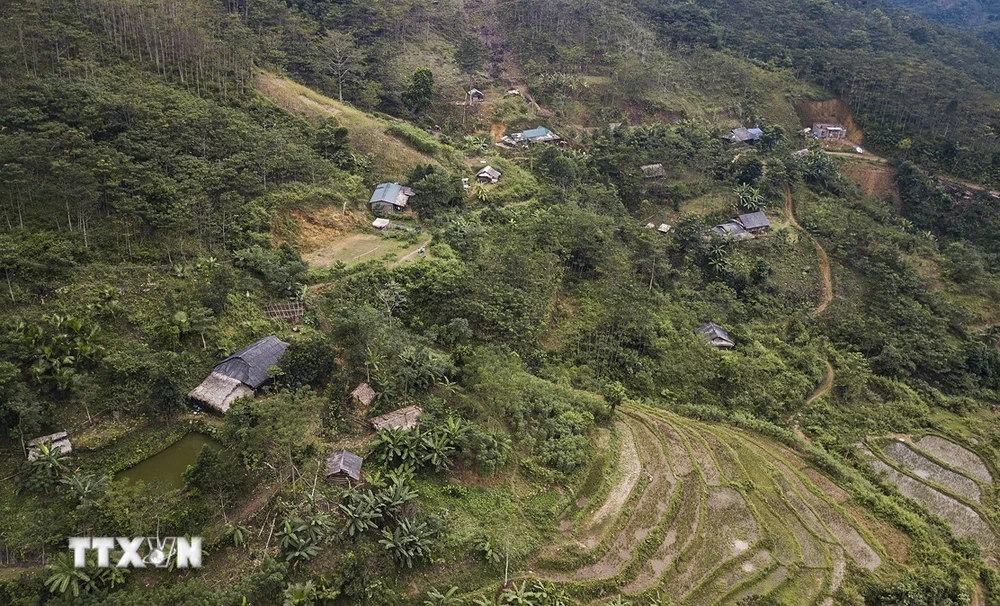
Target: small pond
x=169, y=464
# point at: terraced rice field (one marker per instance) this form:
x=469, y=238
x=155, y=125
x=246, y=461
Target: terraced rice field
x=956, y=456
x=965, y=521
x=716, y=515
x=930, y=471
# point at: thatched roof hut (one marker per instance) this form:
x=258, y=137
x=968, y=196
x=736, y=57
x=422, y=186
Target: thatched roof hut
x=363, y=395
x=240, y=374
x=343, y=467
x=59, y=440
x=219, y=391
x=404, y=418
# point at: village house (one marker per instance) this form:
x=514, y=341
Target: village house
x=717, y=336
x=474, y=95
x=404, y=418
x=344, y=467
x=58, y=441
x=831, y=131
x=390, y=197
x=241, y=374
x=732, y=230
x=653, y=171
x=755, y=223
x=750, y=136
x=380, y=223
x=539, y=134
x=664, y=228
x=488, y=175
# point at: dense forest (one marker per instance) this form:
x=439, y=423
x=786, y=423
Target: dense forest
x=176, y=171
x=982, y=18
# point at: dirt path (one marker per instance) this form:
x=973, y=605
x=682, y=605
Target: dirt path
x=824, y=259
x=410, y=255
x=824, y=387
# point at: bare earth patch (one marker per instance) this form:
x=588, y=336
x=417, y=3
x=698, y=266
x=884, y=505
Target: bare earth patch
x=956, y=456
x=628, y=473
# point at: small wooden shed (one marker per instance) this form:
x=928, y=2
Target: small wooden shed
x=404, y=418
x=344, y=467
x=363, y=396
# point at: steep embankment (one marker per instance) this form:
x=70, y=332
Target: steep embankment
x=391, y=158
x=694, y=531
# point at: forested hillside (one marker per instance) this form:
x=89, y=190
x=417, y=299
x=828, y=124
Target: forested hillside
x=981, y=17
x=594, y=375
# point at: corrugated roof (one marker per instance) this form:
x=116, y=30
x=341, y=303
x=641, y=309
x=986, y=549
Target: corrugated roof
x=489, y=171
x=714, y=332
x=729, y=229
x=653, y=170
x=755, y=220
x=250, y=365
x=59, y=441
x=391, y=193
x=345, y=462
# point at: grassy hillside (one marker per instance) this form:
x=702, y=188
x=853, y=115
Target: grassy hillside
x=169, y=199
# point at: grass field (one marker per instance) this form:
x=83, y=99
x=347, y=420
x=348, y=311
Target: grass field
x=360, y=247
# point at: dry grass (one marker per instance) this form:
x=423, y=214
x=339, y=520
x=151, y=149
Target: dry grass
x=391, y=158
x=357, y=248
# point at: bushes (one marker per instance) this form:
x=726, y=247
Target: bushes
x=415, y=138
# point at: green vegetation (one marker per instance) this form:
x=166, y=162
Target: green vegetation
x=168, y=184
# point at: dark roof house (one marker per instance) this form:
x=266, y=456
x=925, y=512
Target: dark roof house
x=488, y=175
x=58, y=441
x=390, y=197
x=717, y=336
x=343, y=467
x=755, y=222
x=240, y=374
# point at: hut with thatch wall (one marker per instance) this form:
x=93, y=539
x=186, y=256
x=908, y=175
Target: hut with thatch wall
x=240, y=374
x=404, y=418
x=344, y=467
x=363, y=396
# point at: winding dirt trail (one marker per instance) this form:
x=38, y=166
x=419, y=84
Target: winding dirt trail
x=824, y=387
x=824, y=259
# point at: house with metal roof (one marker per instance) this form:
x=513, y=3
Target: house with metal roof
x=717, y=336
x=343, y=467
x=390, y=197
x=755, y=223
x=241, y=374
x=488, y=175
x=746, y=135
x=539, y=134
x=732, y=230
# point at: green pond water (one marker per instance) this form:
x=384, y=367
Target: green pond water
x=169, y=464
